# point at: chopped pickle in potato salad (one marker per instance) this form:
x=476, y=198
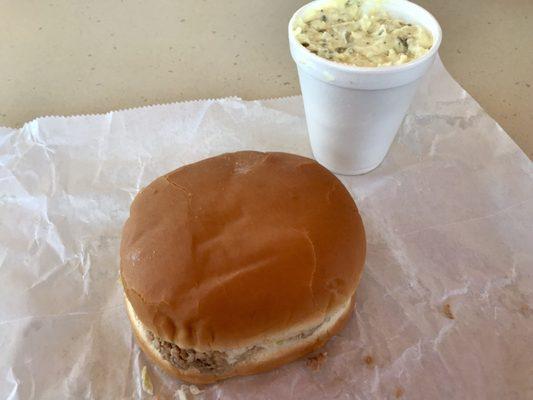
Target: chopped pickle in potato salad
x=341, y=31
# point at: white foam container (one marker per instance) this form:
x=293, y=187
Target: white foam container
x=353, y=113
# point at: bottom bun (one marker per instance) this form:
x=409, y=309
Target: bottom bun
x=268, y=355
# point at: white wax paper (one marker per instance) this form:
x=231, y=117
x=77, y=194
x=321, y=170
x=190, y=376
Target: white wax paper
x=445, y=305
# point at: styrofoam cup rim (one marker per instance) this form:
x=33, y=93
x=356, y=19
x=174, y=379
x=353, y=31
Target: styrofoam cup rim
x=334, y=65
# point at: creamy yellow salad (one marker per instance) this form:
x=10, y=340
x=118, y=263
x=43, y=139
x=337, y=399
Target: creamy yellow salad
x=341, y=31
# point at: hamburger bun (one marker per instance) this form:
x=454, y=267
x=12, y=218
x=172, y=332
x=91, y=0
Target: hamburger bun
x=240, y=263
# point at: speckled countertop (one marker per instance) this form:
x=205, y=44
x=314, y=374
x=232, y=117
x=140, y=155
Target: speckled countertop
x=60, y=57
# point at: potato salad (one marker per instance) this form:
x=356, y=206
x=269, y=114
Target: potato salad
x=341, y=31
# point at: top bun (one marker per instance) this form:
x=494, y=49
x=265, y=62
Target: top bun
x=241, y=248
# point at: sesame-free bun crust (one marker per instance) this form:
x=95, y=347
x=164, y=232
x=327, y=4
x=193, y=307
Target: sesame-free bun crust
x=240, y=249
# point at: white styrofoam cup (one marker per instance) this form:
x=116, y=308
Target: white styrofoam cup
x=353, y=113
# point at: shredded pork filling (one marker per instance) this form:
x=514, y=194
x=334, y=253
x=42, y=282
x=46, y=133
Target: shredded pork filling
x=212, y=361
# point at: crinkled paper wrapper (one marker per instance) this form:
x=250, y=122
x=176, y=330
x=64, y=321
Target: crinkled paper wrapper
x=445, y=305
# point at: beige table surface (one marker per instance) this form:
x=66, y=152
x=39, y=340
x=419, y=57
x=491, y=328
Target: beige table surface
x=81, y=56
